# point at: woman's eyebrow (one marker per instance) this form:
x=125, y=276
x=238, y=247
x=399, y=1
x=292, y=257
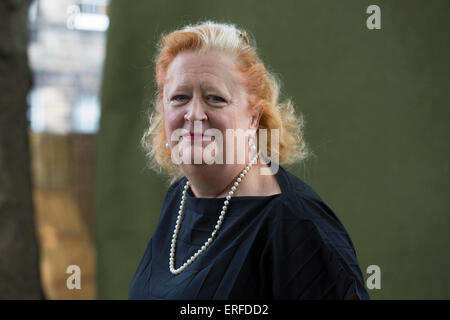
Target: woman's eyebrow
x=206, y=87
x=223, y=87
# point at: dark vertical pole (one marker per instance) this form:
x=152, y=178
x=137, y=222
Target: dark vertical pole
x=19, y=254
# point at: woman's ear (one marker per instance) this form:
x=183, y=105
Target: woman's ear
x=255, y=117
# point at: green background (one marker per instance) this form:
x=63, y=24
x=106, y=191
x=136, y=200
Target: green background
x=376, y=106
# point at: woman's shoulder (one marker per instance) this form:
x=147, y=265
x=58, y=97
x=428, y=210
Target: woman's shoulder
x=300, y=200
x=302, y=226
x=177, y=183
x=302, y=206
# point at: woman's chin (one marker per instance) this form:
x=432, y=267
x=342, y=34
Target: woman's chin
x=194, y=156
x=198, y=155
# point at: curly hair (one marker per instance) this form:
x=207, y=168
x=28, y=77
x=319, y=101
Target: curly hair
x=263, y=89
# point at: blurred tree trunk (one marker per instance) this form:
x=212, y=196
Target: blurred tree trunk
x=19, y=255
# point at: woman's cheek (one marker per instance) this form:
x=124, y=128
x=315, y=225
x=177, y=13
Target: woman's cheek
x=173, y=121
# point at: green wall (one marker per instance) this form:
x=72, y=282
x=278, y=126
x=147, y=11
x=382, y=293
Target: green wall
x=376, y=106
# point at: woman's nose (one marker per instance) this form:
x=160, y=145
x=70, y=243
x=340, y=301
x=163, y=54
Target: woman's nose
x=195, y=111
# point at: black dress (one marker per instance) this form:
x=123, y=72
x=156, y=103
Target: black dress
x=285, y=246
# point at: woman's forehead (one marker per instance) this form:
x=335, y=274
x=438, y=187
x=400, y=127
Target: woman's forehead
x=203, y=68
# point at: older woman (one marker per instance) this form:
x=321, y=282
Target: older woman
x=229, y=230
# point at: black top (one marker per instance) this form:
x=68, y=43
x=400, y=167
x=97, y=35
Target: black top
x=285, y=246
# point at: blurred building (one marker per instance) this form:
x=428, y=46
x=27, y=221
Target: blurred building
x=66, y=53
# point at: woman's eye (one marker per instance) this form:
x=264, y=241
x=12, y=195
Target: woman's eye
x=179, y=98
x=217, y=99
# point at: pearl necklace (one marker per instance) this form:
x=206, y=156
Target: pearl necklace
x=216, y=229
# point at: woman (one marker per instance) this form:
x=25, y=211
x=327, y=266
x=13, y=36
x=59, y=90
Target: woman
x=229, y=230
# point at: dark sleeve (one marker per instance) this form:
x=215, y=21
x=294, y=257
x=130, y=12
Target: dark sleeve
x=310, y=259
x=139, y=282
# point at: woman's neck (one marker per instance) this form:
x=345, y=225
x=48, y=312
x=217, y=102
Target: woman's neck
x=215, y=181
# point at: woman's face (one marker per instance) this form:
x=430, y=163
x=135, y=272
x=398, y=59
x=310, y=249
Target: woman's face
x=204, y=90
